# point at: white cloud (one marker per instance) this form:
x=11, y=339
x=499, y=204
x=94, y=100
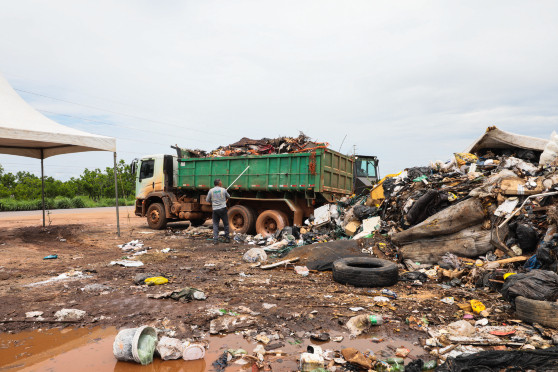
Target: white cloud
x=407, y=81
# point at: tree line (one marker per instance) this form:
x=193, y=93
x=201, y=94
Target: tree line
x=95, y=184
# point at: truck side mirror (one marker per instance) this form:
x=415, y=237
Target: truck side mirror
x=133, y=167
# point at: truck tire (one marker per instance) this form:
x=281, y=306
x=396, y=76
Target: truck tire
x=365, y=272
x=242, y=219
x=270, y=221
x=156, y=216
x=532, y=311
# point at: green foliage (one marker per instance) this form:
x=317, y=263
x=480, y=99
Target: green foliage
x=94, y=188
x=78, y=202
x=63, y=203
x=10, y=204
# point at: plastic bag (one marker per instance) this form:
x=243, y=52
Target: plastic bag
x=463, y=158
x=550, y=152
x=497, y=360
x=541, y=285
x=411, y=276
x=255, y=255
x=146, y=347
x=362, y=211
x=157, y=280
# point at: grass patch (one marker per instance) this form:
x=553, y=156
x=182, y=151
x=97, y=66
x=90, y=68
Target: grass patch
x=11, y=205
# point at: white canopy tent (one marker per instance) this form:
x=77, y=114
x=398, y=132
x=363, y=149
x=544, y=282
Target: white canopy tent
x=26, y=132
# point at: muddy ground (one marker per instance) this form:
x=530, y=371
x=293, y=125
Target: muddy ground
x=87, y=242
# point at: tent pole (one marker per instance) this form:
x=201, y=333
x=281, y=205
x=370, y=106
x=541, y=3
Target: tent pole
x=43, y=184
x=116, y=194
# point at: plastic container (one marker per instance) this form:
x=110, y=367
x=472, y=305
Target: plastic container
x=193, y=351
x=477, y=306
x=128, y=348
x=311, y=360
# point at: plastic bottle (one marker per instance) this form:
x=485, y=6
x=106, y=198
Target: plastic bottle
x=375, y=319
x=431, y=364
x=359, y=323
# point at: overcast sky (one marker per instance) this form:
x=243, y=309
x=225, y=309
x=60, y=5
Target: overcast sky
x=408, y=81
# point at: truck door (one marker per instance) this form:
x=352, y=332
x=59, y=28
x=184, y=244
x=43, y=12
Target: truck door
x=149, y=176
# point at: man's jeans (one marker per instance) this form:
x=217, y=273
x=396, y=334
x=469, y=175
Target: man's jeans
x=220, y=214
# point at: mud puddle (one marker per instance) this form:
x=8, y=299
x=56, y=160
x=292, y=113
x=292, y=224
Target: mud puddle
x=86, y=349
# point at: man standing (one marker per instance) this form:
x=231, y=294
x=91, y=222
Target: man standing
x=218, y=196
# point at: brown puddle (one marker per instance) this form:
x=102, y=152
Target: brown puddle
x=84, y=349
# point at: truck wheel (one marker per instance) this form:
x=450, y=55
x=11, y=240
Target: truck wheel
x=156, y=217
x=241, y=219
x=365, y=272
x=271, y=221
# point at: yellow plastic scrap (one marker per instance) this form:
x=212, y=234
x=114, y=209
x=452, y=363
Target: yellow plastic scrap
x=156, y=280
x=451, y=196
x=463, y=158
x=506, y=275
x=377, y=192
x=477, y=306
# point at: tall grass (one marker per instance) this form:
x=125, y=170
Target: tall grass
x=9, y=204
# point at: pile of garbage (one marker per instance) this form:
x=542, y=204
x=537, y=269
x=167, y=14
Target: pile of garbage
x=248, y=146
x=501, y=196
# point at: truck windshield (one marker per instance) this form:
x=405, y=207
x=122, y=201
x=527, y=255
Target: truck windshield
x=147, y=167
x=365, y=168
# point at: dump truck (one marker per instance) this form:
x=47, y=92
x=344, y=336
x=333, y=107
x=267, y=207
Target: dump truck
x=275, y=190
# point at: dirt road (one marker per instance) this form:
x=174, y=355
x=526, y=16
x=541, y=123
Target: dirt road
x=277, y=302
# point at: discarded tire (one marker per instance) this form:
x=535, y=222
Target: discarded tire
x=270, y=221
x=156, y=216
x=533, y=311
x=241, y=219
x=365, y=272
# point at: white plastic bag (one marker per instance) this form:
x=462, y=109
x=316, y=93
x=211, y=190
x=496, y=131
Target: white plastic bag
x=550, y=152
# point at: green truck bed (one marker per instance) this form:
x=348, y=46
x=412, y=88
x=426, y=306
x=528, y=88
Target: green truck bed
x=322, y=170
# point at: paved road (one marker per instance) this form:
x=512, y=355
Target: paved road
x=39, y=213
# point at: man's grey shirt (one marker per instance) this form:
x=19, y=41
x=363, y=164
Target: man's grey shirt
x=218, y=196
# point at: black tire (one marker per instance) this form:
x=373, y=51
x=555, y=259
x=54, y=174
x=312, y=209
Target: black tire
x=532, y=311
x=156, y=216
x=365, y=272
x=242, y=219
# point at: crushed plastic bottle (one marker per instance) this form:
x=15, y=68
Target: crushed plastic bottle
x=429, y=365
x=360, y=323
x=388, y=293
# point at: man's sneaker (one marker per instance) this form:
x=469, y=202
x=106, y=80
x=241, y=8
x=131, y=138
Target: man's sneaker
x=227, y=240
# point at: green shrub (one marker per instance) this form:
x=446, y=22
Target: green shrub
x=78, y=202
x=25, y=205
x=10, y=204
x=64, y=203
x=49, y=203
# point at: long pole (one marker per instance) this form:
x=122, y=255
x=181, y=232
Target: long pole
x=43, y=185
x=116, y=194
x=232, y=183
